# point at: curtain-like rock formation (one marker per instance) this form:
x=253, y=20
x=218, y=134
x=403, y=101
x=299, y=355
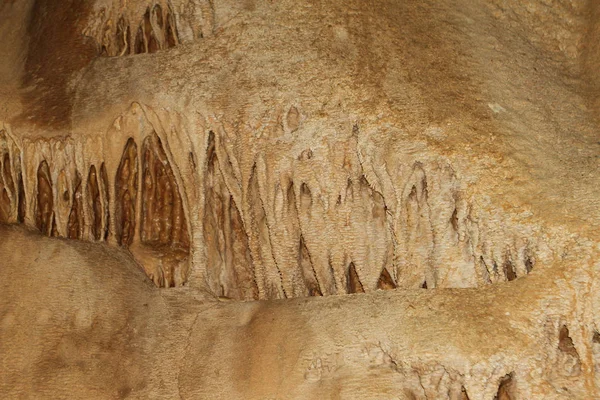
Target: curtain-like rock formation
x=333, y=199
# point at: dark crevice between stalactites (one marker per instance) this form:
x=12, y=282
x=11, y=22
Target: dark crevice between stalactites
x=75, y=222
x=507, y=389
x=509, y=270
x=94, y=204
x=163, y=227
x=463, y=394
x=21, y=204
x=565, y=343
x=385, y=281
x=172, y=38
x=44, y=218
x=353, y=282
x=569, y=360
x=139, y=46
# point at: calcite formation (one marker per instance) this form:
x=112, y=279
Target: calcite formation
x=299, y=199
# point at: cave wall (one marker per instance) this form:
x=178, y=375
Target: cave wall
x=409, y=190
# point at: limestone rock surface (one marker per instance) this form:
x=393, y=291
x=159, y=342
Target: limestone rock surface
x=300, y=199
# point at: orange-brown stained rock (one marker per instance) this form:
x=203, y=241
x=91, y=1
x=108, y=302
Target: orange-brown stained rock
x=75, y=223
x=94, y=203
x=163, y=218
x=385, y=281
x=354, y=284
x=126, y=188
x=163, y=226
x=45, y=203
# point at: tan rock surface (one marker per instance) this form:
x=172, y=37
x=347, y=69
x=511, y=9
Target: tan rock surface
x=308, y=155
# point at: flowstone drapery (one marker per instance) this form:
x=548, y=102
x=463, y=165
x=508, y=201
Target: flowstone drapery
x=327, y=199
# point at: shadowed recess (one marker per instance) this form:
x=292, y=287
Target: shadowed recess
x=126, y=188
x=44, y=218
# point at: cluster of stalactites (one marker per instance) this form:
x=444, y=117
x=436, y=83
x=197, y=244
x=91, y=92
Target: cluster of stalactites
x=156, y=31
x=149, y=216
x=282, y=233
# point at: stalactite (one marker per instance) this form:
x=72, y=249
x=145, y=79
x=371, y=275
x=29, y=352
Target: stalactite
x=94, y=203
x=45, y=200
x=163, y=218
x=308, y=272
x=126, y=187
x=163, y=225
x=170, y=30
x=230, y=263
x=75, y=223
x=7, y=171
x=123, y=37
x=7, y=189
x=105, y=199
x=241, y=259
x=152, y=43
x=157, y=16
